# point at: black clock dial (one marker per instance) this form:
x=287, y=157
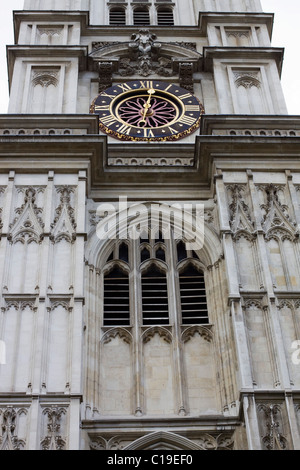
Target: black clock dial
x=147, y=110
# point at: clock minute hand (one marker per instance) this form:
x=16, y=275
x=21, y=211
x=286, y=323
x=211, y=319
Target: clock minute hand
x=147, y=105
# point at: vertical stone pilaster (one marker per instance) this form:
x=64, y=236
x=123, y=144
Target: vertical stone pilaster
x=251, y=421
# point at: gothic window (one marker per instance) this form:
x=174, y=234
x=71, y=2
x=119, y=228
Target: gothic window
x=155, y=297
x=116, y=298
x=140, y=286
x=141, y=16
x=165, y=16
x=117, y=17
x=193, y=296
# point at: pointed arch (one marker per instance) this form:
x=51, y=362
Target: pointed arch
x=163, y=440
x=100, y=241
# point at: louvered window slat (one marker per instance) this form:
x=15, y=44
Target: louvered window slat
x=116, y=299
x=117, y=17
x=193, y=298
x=155, y=299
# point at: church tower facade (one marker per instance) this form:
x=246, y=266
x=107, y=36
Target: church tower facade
x=149, y=230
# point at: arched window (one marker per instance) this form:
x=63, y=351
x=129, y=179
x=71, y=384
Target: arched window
x=141, y=16
x=139, y=287
x=123, y=252
x=117, y=17
x=181, y=251
x=193, y=296
x=116, y=298
x=155, y=297
x=165, y=16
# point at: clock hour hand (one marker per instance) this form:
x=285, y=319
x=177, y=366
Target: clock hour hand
x=147, y=105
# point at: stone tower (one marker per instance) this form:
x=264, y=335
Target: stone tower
x=149, y=230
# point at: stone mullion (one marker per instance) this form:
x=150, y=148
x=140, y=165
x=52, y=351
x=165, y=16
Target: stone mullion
x=238, y=323
x=89, y=342
x=276, y=346
x=97, y=306
x=271, y=335
x=251, y=421
x=213, y=283
x=261, y=244
x=177, y=344
x=136, y=316
x=7, y=213
x=293, y=196
x=41, y=315
x=242, y=349
x=290, y=407
x=284, y=265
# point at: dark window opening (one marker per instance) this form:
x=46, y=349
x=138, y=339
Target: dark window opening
x=111, y=257
x=116, y=298
x=165, y=17
x=155, y=297
x=193, y=297
x=160, y=254
x=117, y=17
x=145, y=254
x=123, y=252
x=181, y=251
x=159, y=238
x=141, y=17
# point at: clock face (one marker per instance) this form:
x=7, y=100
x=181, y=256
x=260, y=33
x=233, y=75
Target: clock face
x=147, y=111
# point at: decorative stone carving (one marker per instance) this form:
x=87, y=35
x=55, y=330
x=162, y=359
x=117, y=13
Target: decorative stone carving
x=105, y=75
x=49, y=31
x=145, y=56
x=28, y=224
x=64, y=225
x=272, y=439
x=240, y=216
x=2, y=190
x=45, y=77
x=276, y=214
x=8, y=438
x=112, y=333
x=247, y=78
x=162, y=440
x=186, y=76
x=183, y=161
x=20, y=305
x=203, y=331
x=164, y=333
x=54, y=440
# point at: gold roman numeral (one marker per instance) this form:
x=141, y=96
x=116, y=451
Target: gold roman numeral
x=189, y=121
x=192, y=107
x=108, y=120
x=146, y=84
x=173, y=131
x=124, y=87
x=107, y=95
x=148, y=133
x=102, y=108
x=124, y=129
x=185, y=97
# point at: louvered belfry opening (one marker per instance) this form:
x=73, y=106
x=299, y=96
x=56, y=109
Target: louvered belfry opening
x=141, y=17
x=117, y=17
x=165, y=17
x=155, y=297
x=116, y=298
x=193, y=297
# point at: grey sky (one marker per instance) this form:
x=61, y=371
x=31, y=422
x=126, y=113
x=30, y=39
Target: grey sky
x=287, y=14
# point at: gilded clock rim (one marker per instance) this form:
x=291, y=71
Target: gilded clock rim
x=188, y=120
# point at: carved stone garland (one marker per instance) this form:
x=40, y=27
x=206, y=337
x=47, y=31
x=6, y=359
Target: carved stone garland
x=273, y=439
x=8, y=439
x=54, y=441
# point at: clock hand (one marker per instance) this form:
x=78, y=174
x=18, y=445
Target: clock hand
x=147, y=105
